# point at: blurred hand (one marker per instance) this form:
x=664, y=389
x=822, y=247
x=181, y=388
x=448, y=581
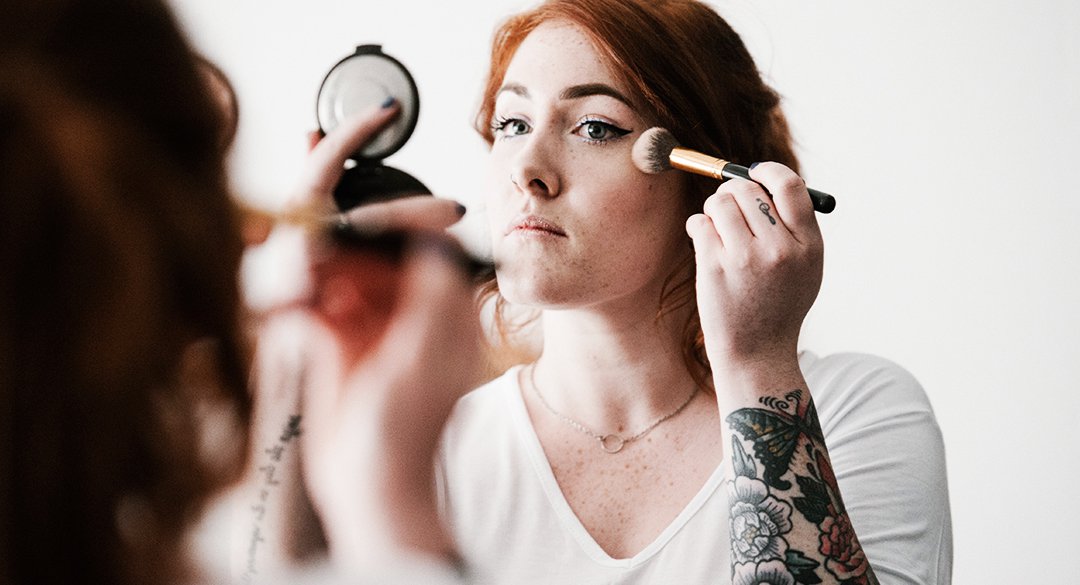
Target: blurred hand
x=377, y=400
x=304, y=245
x=394, y=342
x=385, y=343
x=327, y=154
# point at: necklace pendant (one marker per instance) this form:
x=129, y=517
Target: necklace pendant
x=612, y=443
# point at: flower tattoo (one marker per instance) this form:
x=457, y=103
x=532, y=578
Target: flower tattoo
x=758, y=521
x=772, y=572
x=843, y=555
x=789, y=472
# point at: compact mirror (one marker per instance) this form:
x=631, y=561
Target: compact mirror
x=363, y=80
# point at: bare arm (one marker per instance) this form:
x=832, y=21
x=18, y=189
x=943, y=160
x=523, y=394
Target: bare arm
x=341, y=320
x=277, y=526
x=759, y=262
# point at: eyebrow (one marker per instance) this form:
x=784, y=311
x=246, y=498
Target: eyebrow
x=514, y=88
x=591, y=89
x=572, y=92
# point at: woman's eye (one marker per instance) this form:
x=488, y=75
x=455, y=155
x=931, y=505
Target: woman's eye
x=510, y=127
x=517, y=127
x=596, y=131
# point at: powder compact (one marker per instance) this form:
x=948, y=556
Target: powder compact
x=357, y=83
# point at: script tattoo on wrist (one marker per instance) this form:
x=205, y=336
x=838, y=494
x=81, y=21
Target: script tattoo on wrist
x=787, y=442
x=267, y=484
x=764, y=207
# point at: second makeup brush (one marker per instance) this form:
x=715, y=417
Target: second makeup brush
x=656, y=151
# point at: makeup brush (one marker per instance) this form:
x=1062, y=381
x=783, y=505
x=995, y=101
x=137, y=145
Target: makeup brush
x=391, y=243
x=656, y=151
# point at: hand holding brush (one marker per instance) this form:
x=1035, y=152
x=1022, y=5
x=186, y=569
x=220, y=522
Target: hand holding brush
x=656, y=151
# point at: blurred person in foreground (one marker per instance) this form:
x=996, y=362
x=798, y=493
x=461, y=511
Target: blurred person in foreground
x=124, y=399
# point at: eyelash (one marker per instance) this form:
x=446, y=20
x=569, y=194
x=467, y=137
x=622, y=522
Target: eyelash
x=501, y=122
x=613, y=129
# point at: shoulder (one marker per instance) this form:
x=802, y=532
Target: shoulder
x=863, y=389
x=872, y=409
x=889, y=456
x=483, y=416
x=487, y=400
x=483, y=450
x=857, y=369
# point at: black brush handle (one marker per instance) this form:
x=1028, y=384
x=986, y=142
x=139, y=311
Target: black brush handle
x=823, y=202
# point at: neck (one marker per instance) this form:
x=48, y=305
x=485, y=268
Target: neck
x=614, y=371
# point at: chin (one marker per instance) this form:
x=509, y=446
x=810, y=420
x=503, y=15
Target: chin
x=534, y=291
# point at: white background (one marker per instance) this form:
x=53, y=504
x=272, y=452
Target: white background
x=947, y=130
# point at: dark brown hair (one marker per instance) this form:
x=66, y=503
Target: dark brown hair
x=224, y=94
x=686, y=70
x=119, y=339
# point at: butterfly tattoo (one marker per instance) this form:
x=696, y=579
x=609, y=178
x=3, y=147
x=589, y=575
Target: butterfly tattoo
x=777, y=431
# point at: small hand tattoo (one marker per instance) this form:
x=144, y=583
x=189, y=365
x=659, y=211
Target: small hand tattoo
x=764, y=207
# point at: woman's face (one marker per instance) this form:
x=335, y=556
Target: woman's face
x=574, y=223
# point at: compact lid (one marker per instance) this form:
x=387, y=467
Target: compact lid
x=364, y=80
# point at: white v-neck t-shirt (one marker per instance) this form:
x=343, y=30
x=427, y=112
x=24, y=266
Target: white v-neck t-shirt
x=513, y=526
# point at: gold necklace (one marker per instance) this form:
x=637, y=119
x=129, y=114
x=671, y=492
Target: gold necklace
x=611, y=442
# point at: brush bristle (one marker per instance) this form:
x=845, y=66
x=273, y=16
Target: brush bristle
x=652, y=151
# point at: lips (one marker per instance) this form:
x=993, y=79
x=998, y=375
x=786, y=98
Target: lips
x=534, y=224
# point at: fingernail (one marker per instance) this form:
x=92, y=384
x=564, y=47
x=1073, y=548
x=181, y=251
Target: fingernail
x=389, y=101
x=461, y=210
x=754, y=165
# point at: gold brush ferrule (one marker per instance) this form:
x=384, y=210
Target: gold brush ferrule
x=695, y=162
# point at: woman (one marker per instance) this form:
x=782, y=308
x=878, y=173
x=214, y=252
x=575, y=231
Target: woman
x=666, y=432
x=124, y=404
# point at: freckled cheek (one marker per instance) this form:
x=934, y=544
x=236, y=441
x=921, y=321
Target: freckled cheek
x=639, y=220
x=627, y=204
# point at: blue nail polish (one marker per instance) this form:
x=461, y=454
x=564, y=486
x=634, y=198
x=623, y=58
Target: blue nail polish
x=461, y=209
x=389, y=101
x=752, y=165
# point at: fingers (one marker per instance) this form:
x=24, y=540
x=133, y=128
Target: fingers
x=789, y=197
x=381, y=319
x=774, y=207
x=313, y=139
x=741, y=213
x=755, y=207
x=419, y=340
x=743, y=227
x=359, y=293
x=728, y=219
x=326, y=161
x=706, y=239
x=355, y=294
x=419, y=213
x=436, y=303
x=437, y=319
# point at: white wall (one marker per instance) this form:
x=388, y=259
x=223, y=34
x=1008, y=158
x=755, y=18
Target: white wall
x=947, y=130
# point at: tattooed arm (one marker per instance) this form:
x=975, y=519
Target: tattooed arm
x=280, y=526
x=787, y=514
x=277, y=527
x=759, y=264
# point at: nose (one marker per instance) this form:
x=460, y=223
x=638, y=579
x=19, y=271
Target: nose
x=533, y=171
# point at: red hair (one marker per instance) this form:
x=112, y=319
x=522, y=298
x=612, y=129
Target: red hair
x=686, y=70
